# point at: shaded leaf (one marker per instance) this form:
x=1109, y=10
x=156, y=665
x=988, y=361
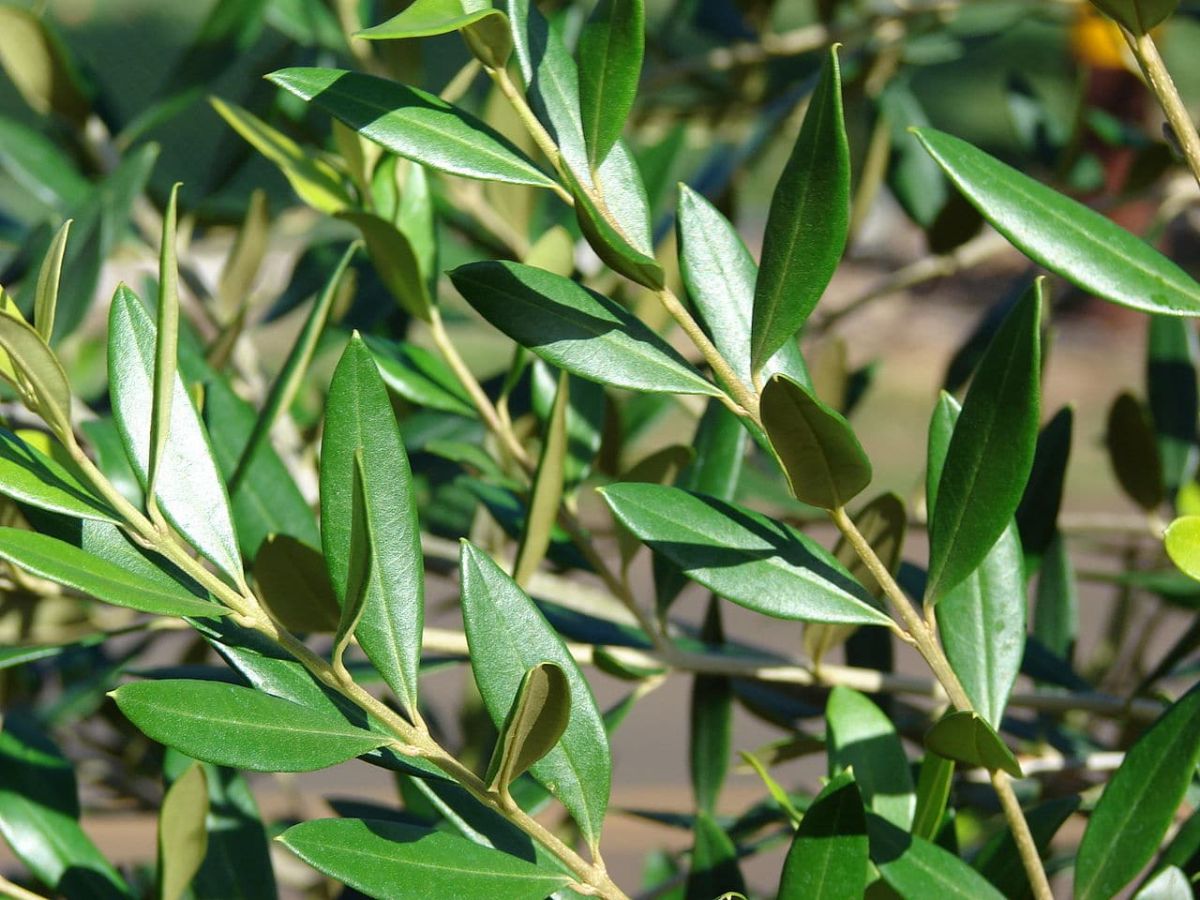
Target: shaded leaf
x=546, y=492
x=1133, y=453
x=967, y=738
x=1173, y=396
x=182, y=832
x=1139, y=16
x=294, y=586
x=828, y=856
x=395, y=261
x=539, y=715
x=714, y=868
x=933, y=791
x=915, y=867
x=862, y=738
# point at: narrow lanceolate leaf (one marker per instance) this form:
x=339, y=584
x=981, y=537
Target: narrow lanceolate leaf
x=246, y=257
x=359, y=417
x=166, y=345
x=1139, y=16
x=1182, y=541
x=547, y=491
x=933, y=792
x=967, y=738
x=823, y=460
x=610, y=51
x=182, y=832
x=1132, y=452
x=1056, y=606
x=1037, y=516
x=66, y=564
x=1066, y=237
x=391, y=860
x=32, y=477
x=38, y=369
x=1139, y=802
x=413, y=124
x=576, y=329
x=982, y=619
x=313, y=180
x=862, y=738
x=714, y=871
x=710, y=722
x=623, y=249
x=914, y=867
x=484, y=29
x=293, y=584
x=361, y=559
x=230, y=725
x=45, y=298
x=829, y=854
x=808, y=221
x=508, y=635
x=190, y=492
x=720, y=273
x=743, y=556
x=1174, y=396
x=39, y=65
x=990, y=455
x=395, y=260
x=538, y=717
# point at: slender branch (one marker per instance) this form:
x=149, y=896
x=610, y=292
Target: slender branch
x=1030, y=858
x=541, y=137
x=1145, y=51
x=16, y=892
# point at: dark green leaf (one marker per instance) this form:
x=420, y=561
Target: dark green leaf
x=828, y=857
x=39, y=167
x=1139, y=802
x=419, y=376
x=586, y=409
x=967, y=738
x=413, y=124
x=485, y=29
x=1037, y=516
x=391, y=860
x=229, y=725
x=1173, y=396
x=714, y=870
x=66, y=564
x=39, y=812
x=1139, y=16
x=989, y=457
x=861, y=737
x=34, y=478
x=1066, y=237
x=720, y=275
x=294, y=586
x=710, y=722
x=182, y=832
x=614, y=240
x=508, y=636
x=743, y=556
x=1133, y=453
x=933, y=791
x=824, y=462
x=395, y=261
x=914, y=867
x=610, y=60
x=576, y=329
x=1056, y=605
x=190, y=492
x=539, y=715
x=808, y=221
x=359, y=416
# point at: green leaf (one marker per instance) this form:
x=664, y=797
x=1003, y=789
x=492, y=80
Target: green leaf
x=808, y=221
x=294, y=586
x=413, y=124
x=508, y=636
x=990, y=455
x=933, y=791
x=546, y=492
x=1139, y=802
x=39, y=65
x=1139, y=16
x=914, y=867
x=742, y=556
x=419, y=376
x=828, y=856
x=395, y=260
x=720, y=274
x=1037, y=516
x=612, y=239
x=966, y=737
x=45, y=298
x=1056, y=606
x=190, y=491
x=40, y=167
x=66, y=564
x=166, y=348
x=587, y=406
x=554, y=251
x=981, y=620
x=1133, y=453
x=1174, y=398
x=31, y=477
x=1066, y=237
x=714, y=870
x=359, y=416
x=539, y=715
x=781, y=797
x=1182, y=541
x=40, y=376
x=360, y=561
x=39, y=813
x=999, y=860
x=825, y=464
x=483, y=28
x=230, y=725
x=576, y=329
x=710, y=721
x=394, y=860
x=182, y=835
x=862, y=738
x=314, y=181
x=610, y=51
x=246, y=256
